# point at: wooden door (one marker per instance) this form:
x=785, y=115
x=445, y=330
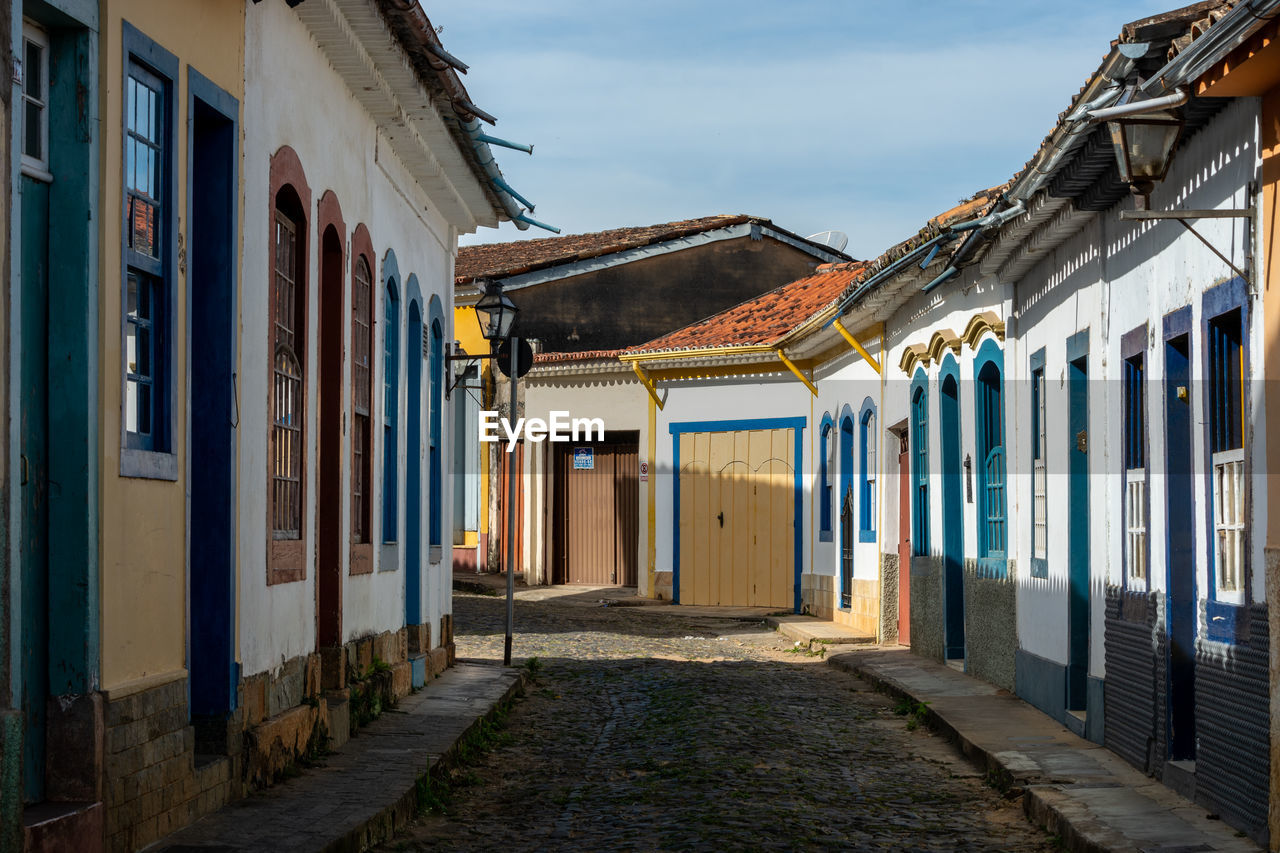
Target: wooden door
x=737, y=515
x=597, y=522
x=513, y=503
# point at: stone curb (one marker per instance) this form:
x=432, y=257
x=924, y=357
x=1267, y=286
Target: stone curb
x=1037, y=799
x=384, y=825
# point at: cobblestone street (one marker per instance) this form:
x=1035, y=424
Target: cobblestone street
x=653, y=731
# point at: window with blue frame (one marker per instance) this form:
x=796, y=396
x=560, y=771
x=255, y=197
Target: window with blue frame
x=989, y=415
x=1226, y=434
x=147, y=243
x=824, y=480
x=1039, y=471
x=920, y=476
x=436, y=350
x=867, y=475
x=1135, y=472
x=390, y=413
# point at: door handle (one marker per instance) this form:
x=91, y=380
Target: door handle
x=720, y=516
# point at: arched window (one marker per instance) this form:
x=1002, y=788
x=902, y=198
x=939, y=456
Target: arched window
x=289, y=374
x=920, y=471
x=824, y=480
x=391, y=411
x=361, y=392
x=436, y=473
x=867, y=473
x=989, y=418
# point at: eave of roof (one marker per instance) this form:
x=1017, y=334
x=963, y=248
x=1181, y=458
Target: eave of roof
x=525, y=263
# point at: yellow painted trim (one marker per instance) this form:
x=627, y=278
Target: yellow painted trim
x=859, y=348
x=647, y=383
x=944, y=339
x=913, y=355
x=792, y=367
x=710, y=371
x=674, y=355
x=980, y=324
x=650, y=498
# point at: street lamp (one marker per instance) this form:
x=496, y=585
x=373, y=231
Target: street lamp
x=499, y=315
x=496, y=312
x=1143, y=134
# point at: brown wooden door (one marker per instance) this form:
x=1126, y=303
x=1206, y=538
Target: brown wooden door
x=904, y=547
x=597, y=520
x=516, y=502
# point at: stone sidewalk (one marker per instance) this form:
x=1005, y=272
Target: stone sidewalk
x=1078, y=790
x=365, y=792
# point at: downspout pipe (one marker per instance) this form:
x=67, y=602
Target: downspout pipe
x=529, y=220
x=1176, y=99
x=991, y=220
x=505, y=143
x=893, y=268
x=490, y=167
x=502, y=184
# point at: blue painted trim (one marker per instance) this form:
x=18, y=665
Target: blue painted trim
x=919, y=434
x=950, y=367
x=1214, y=302
x=824, y=479
x=1224, y=622
x=1039, y=565
x=798, y=424
x=413, y=293
x=736, y=425
x=1078, y=345
x=992, y=562
x=392, y=337
x=153, y=456
x=847, y=448
x=1177, y=323
x=866, y=520
x=435, y=424
x=222, y=595
x=1037, y=360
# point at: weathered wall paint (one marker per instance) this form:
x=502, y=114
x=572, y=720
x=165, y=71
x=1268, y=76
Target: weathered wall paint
x=295, y=97
x=143, y=522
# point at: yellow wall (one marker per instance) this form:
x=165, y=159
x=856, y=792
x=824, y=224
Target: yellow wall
x=466, y=329
x=143, y=522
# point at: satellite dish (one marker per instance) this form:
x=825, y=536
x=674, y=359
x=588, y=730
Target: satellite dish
x=835, y=239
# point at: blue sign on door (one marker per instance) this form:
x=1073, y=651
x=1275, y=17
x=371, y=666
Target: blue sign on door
x=584, y=458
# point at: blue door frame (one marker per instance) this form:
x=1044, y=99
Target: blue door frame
x=1179, y=482
x=952, y=513
x=1078, y=522
x=413, y=473
x=846, y=488
x=797, y=424
x=212, y=197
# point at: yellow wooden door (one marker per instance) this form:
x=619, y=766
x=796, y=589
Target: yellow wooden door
x=737, y=514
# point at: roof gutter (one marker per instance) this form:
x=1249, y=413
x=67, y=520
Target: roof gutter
x=888, y=271
x=1176, y=99
x=1229, y=32
x=1102, y=91
x=446, y=66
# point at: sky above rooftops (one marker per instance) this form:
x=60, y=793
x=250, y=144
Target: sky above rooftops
x=863, y=117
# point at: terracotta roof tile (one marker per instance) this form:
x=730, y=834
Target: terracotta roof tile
x=520, y=256
x=764, y=319
x=586, y=355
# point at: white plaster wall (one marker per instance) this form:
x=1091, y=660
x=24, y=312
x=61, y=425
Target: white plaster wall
x=1111, y=277
x=724, y=399
x=622, y=402
x=294, y=97
x=949, y=306
x=847, y=381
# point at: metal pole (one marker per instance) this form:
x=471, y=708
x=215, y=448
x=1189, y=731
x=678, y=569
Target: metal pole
x=511, y=510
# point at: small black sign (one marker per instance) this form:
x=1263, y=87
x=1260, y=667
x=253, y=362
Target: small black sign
x=524, y=358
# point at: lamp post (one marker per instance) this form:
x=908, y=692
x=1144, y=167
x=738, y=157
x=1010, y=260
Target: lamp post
x=497, y=314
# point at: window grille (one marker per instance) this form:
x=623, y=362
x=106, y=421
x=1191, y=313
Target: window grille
x=362, y=357
x=1228, y=518
x=287, y=387
x=1135, y=523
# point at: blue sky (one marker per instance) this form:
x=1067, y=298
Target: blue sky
x=865, y=117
